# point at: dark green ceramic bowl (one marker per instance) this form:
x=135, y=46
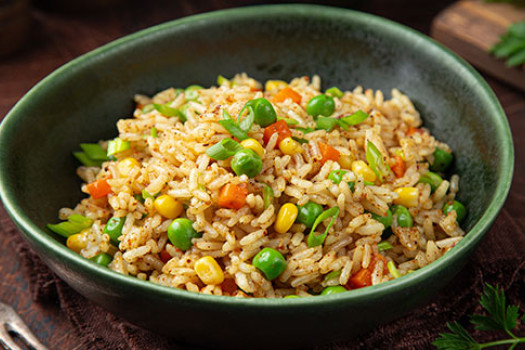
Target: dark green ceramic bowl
x=81, y=102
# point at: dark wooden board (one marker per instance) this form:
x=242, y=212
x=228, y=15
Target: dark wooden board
x=472, y=27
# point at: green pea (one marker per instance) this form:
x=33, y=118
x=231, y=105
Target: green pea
x=291, y=296
x=246, y=161
x=102, y=259
x=270, y=262
x=263, y=111
x=460, y=209
x=336, y=176
x=320, y=105
x=442, y=160
x=308, y=213
x=333, y=290
x=181, y=232
x=431, y=178
x=385, y=220
x=351, y=184
x=403, y=217
x=114, y=229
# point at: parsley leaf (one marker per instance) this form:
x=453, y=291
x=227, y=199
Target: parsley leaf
x=500, y=316
x=459, y=339
x=512, y=45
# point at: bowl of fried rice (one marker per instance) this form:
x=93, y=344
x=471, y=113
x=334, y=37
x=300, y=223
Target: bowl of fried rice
x=263, y=176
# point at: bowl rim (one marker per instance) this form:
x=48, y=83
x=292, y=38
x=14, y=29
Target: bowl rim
x=39, y=237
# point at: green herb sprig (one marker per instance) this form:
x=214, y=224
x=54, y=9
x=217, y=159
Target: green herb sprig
x=500, y=317
x=512, y=45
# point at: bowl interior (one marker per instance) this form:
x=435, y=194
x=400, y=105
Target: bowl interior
x=83, y=101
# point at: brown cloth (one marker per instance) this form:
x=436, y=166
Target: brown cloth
x=500, y=260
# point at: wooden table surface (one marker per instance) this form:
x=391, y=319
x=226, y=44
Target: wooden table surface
x=59, y=37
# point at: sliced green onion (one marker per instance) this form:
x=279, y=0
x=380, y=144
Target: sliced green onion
x=246, y=123
x=382, y=246
x=267, y=196
x=334, y=92
x=154, y=132
x=223, y=150
x=84, y=159
x=289, y=121
x=139, y=198
x=354, y=119
x=393, y=270
x=325, y=123
x=146, y=195
x=94, y=151
x=116, y=146
x=376, y=161
x=166, y=110
x=332, y=275
x=191, y=93
x=102, y=259
x=148, y=108
x=232, y=127
x=431, y=178
x=74, y=224
x=221, y=80
x=305, y=130
x=337, y=175
x=300, y=140
x=315, y=240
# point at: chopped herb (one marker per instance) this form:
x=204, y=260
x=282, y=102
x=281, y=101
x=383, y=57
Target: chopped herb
x=314, y=240
x=74, y=224
x=267, y=195
x=305, y=130
x=154, y=132
x=116, y=146
x=500, y=317
x=382, y=246
x=94, y=151
x=300, y=140
x=393, y=270
x=85, y=160
x=232, y=127
x=353, y=119
x=148, y=108
x=325, y=123
x=512, y=45
x=289, y=121
x=376, y=161
x=334, y=92
x=223, y=149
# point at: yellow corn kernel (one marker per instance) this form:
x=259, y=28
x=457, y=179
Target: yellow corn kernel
x=359, y=167
x=346, y=161
x=167, y=206
x=209, y=270
x=126, y=165
x=254, y=146
x=286, y=217
x=78, y=241
x=275, y=85
x=290, y=147
x=407, y=196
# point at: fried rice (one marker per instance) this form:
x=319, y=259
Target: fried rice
x=171, y=160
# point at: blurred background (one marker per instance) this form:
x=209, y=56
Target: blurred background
x=38, y=36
